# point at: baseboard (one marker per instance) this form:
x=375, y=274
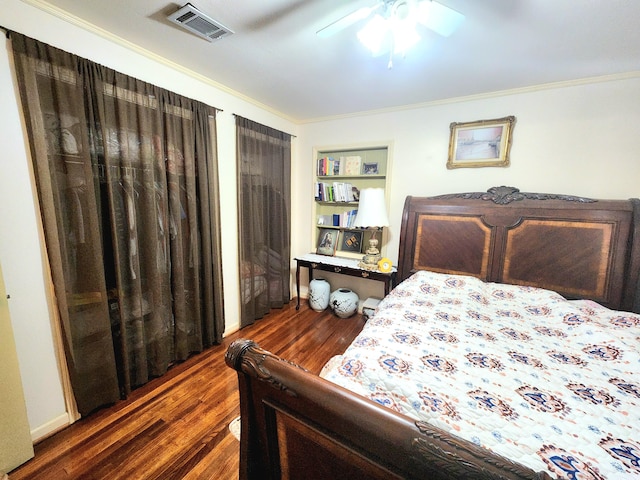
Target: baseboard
x=49, y=428
x=229, y=329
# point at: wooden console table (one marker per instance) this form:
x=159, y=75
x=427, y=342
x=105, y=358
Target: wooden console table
x=343, y=266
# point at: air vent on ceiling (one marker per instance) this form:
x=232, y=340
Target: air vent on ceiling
x=197, y=22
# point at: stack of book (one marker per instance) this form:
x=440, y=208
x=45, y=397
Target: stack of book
x=342, y=220
x=336, y=192
x=350, y=165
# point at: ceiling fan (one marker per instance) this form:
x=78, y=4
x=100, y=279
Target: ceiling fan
x=392, y=23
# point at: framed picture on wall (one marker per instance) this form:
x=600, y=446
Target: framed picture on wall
x=327, y=241
x=484, y=143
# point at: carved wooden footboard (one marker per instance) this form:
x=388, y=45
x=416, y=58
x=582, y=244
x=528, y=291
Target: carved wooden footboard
x=296, y=425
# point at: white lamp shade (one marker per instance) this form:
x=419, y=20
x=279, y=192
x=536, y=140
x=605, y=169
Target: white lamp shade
x=372, y=209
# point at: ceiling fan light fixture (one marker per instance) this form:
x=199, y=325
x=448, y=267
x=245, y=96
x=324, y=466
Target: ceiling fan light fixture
x=363, y=13
x=435, y=16
x=404, y=37
x=403, y=27
x=392, y=27
x=347, y=20
x=373, y=34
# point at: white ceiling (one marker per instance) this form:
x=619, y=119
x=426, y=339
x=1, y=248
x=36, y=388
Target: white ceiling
x=276, y=59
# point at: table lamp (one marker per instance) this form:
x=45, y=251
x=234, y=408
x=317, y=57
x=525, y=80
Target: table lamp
x=372, y=215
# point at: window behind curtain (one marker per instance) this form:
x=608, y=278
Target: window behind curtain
x=264, y=201
x=127, y=182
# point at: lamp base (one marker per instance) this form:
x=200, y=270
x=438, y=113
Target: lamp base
x=370, y=261
x=372, y=254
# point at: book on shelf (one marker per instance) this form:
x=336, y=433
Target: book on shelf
x=323, y=166
x=342, y=220
x=324, y=192
x=328, y=166
x=352, y=165
x=338, y=167
x=336, y=192
x=339, y=192
x=348, y=218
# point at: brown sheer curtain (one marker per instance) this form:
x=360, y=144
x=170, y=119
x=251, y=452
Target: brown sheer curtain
x=127, y=181
x=264, y=198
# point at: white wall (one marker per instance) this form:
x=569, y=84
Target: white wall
x=20, y=245
x=581, y=139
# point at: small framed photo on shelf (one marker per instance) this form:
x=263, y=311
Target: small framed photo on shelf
x=327, y=241
x=351, y=242
x=355, y=193
x=370, y=168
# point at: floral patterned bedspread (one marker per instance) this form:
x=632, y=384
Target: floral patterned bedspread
x=549, y=383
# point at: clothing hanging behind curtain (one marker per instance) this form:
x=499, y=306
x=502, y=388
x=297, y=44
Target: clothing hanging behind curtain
x=264, y=201
x=127, y=181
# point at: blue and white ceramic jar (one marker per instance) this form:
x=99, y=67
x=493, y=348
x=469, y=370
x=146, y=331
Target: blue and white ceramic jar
x=344, y=302
x=319, y=290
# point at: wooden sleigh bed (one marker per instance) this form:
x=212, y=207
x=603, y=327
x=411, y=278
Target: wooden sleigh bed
x=298, y=425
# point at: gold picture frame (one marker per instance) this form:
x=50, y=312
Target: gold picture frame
x=484, y=143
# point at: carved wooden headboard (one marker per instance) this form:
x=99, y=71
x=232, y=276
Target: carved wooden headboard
x=579, y=247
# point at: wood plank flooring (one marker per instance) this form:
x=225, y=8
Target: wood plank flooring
x=176, y=427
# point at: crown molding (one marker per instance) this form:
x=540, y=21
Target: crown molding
x=79, y=22
x=481, y=96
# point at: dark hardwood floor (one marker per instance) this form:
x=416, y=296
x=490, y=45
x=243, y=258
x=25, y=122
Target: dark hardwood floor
x=176, y=427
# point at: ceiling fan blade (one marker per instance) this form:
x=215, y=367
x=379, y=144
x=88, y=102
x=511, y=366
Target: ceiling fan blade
x=347, y=20
x=438, y=17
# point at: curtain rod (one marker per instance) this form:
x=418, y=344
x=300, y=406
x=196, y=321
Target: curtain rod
x=8, y=31
x=237, y=115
